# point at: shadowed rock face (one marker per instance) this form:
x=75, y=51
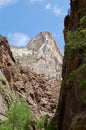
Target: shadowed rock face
x=42, y=55
x=16, y=79
x=71, y=112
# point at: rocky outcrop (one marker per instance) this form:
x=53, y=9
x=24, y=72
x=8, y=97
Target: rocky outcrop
x=42, y=55
x=4, y=97
x=71, y=112
x=16, y=79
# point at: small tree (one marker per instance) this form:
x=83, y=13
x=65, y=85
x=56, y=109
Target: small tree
x=20, y=115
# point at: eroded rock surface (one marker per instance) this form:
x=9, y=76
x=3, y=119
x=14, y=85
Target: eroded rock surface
x=71, y=112
x=42, y=55
x=22, y=81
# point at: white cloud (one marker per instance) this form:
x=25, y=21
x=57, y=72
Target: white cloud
x=6, y=2
x=54, y=9
x=48, y=6
x=18, y=39
x=55, y=35
x=33, y=1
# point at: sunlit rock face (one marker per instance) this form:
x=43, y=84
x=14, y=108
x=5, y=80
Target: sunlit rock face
x=20, y=80
x=42, y=55
x=71, y=111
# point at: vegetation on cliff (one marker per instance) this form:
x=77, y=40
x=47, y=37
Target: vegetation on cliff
x=21, y=117
x=71, y=112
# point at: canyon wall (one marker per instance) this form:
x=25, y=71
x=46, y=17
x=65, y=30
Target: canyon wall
x=71, y=111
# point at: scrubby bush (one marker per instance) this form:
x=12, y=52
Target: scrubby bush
x=42, y=122
x=19, y=116
x=5, y=126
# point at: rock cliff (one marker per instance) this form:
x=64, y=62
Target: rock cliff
x=71, y=112
x=16, y=79
x=42, y=55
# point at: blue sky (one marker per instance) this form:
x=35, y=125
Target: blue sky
x=21, y=20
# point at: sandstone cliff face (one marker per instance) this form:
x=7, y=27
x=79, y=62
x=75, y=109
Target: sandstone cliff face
x=20, y=80
x=71, y=112
x=42, y=55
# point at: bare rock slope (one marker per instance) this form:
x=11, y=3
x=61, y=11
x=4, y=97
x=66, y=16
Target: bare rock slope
x=16, y=79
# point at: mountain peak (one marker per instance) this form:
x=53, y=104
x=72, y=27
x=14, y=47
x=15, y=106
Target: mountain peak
x=40, y=39
x=42, y=55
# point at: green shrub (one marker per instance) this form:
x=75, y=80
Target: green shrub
x=20, y=117
x=83, y=22
x=20, y=114
x=42, y=122
x=5, y=126
x=76, y=39
x=52, y=125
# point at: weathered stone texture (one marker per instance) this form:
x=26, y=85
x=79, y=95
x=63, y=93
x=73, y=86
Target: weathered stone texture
x=71, y=112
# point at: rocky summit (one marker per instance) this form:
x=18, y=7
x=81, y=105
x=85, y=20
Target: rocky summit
x=42, y=55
